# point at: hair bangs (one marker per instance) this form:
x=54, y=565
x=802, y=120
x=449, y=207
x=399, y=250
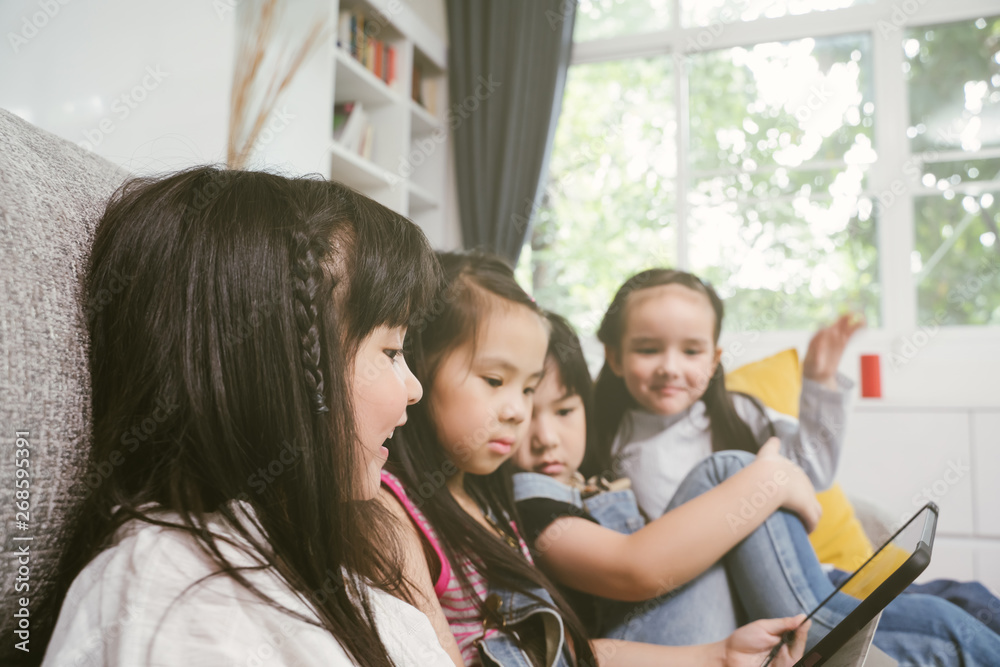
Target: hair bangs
x=566, y=352
x=395, y=263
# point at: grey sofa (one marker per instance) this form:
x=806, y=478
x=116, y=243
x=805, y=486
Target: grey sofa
x=52, y=193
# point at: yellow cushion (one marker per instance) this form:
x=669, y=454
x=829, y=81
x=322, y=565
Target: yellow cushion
x=776, y=381
x=839, y=539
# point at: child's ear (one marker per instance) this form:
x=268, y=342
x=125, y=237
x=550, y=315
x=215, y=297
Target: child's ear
x=718, y=358
x=614, y=360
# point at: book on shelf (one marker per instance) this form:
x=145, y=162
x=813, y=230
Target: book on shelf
x=417, y=89
x=349, y=122
x=425, y=89
x=430, y=95
x=375, y=55
x=390, y=52
x=340, y=115
x=352, y=129
x=367, y=142
x=344, y=31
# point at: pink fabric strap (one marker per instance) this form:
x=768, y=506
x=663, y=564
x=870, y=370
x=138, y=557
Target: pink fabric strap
x=396, y=488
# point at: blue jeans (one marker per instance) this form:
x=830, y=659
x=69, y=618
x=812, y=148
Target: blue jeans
x=774, y=572
x=667, y=619
x=970, y=596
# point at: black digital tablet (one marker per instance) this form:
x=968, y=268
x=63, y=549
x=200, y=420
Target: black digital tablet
x=893, y=567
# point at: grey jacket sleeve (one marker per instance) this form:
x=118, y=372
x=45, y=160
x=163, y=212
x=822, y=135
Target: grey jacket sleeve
x=815, y=439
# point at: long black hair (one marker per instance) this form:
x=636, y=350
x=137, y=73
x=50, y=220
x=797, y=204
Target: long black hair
x=612, y=398
x=472, y=284
x=566, y=353
x=220, y=369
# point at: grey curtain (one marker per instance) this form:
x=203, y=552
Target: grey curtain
x=507, y=70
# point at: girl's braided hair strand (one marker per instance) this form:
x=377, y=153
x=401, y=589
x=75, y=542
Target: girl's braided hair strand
x=307, y=277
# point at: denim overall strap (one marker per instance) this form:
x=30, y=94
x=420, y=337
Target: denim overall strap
x=501, y=648
x=529, y=485
x=616, y=510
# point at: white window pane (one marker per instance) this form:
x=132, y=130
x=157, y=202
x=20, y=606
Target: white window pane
x=956, y=261
x=707, y=12
x=600, y=19
x=788, y=264
x=947, y=175
x=953, y=70
x=783, y=105
x=781, y=145
x=609, y=209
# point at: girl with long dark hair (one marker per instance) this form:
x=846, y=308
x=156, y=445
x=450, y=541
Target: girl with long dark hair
x=244, y=380
x=661, y=399
x=695, y=573
x=480, y=357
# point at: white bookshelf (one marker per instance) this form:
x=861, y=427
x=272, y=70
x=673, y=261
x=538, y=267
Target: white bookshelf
x=406, y=170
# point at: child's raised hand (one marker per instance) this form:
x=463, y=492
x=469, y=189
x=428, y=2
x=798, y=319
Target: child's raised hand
x=799, y=494
x=827, y=347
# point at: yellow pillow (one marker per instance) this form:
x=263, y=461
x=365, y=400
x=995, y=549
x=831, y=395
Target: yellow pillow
x=839, y=539
x=776, y=381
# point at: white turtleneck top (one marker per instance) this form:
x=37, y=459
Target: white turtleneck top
x=657, y=452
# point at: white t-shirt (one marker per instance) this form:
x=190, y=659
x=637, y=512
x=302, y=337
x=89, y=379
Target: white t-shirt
x=140, y=602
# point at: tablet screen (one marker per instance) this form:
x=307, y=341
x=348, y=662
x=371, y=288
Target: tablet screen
x=889, y=558
x=907, y=552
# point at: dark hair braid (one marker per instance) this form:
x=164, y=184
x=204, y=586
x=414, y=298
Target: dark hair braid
x=307, y=276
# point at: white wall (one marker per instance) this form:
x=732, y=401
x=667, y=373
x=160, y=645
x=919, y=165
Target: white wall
x=295, y=139
x=902, y=456
x=145, y=84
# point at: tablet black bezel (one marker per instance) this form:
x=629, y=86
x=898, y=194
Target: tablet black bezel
x=888, y=590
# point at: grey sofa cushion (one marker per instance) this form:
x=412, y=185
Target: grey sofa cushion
x=876, y=521
x=51, y=195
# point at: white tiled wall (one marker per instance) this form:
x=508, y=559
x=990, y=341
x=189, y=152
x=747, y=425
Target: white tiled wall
x=952, y=559
x=900, y=456
x=986, y=473
x=987, y=559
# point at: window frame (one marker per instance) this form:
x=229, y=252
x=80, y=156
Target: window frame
x=886, y=21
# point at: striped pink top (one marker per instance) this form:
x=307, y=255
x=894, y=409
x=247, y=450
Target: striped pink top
x=461, y=610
